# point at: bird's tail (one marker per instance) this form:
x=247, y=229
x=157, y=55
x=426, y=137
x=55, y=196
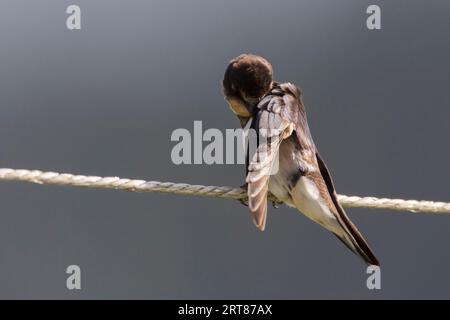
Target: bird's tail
x=354, y=240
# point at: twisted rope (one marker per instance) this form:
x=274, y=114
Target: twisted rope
x=66, y=179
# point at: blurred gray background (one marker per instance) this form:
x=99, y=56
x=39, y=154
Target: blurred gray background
x=104, y=101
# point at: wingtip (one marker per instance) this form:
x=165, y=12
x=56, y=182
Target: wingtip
x=260, y=225
x=260, y=221
x=374, y=262
x=367, y=254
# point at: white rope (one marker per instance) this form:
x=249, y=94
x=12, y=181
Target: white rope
x=66, y=179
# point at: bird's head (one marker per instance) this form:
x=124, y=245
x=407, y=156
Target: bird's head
x=247, y=79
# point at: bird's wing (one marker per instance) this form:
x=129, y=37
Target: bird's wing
x=272, y=127
x=352, y=238
x=314, y=168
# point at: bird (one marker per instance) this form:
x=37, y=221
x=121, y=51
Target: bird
x=301, y=179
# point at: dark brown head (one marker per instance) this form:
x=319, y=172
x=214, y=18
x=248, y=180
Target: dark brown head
x=247, y=80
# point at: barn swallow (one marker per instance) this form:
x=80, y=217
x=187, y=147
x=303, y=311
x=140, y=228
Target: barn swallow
x=302, y=179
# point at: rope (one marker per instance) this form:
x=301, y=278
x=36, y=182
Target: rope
x=66, y=179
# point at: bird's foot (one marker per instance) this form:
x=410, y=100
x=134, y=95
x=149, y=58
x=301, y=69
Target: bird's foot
x=274, y=200
x=277, y=203
x=244, y=201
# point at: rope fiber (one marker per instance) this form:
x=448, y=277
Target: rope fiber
x=66, y=179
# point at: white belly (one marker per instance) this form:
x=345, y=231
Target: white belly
x=306, y=198
x=304, y=195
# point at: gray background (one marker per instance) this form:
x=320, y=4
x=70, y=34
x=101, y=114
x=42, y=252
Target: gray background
x=104, y=101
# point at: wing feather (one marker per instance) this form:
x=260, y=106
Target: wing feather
x=270, y=128
x=354, y=239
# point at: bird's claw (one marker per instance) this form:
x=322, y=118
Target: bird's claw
x=244, y=201
x=276, y=203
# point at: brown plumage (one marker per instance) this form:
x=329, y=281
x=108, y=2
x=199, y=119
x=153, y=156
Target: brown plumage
x=286, y=161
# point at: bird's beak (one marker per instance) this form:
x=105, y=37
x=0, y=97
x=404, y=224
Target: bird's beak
x=238, y=107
